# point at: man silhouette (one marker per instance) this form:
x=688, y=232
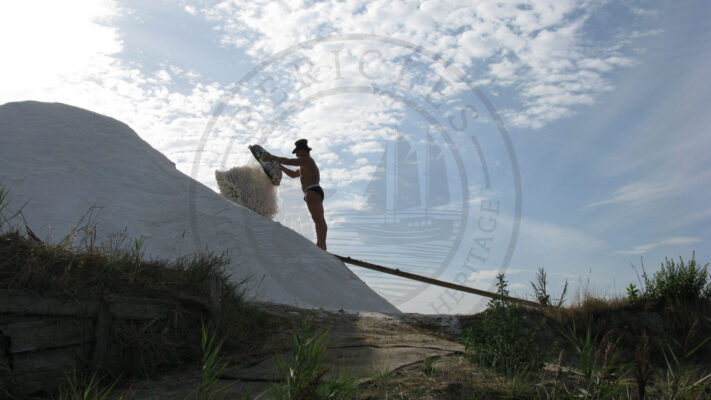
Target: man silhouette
x=313, y=194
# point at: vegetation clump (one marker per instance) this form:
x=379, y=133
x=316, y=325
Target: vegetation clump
x=189, y=291
x=505, y=340
x=303, y=371
x=653, y=343
x=679, y=282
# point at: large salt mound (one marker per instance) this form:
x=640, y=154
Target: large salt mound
x=65, y=160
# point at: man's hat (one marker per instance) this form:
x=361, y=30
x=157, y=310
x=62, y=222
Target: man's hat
x=301, y=144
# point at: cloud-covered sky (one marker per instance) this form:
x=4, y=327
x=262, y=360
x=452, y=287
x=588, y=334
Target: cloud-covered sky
x=604, y=103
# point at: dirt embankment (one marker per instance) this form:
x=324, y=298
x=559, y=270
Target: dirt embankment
x=369, y=345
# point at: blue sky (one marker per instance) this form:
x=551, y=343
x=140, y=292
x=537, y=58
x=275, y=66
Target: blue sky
x=605, y=104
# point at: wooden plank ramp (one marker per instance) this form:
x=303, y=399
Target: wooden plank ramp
x=431, y=281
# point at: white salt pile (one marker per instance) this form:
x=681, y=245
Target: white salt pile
x=63, y=160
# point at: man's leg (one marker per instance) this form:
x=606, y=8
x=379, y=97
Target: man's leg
x=315, y=204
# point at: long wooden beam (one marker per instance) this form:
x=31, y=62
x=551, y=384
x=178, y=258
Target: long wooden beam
x=453, y=286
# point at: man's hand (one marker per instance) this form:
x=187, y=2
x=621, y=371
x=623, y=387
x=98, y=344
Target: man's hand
x=290, y=173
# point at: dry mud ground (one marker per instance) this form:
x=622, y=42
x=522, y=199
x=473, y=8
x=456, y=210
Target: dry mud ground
x=384, y=352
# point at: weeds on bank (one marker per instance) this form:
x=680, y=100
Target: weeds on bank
x=602, y=374
x=303, y=371
x=211, y=369
x=77, y=268
x=91, y=388
x=685, y=282
x=505, y=339
x=633, y=293
x=138, y=348
x=3, y=205
x=679, y=381
x=540, y=290
x=611, y=361
x=382, y=379
x=85, y=388
x=428, y=366
x=340, y=386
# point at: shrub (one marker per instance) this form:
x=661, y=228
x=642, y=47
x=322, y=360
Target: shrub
x=687, y=282
x=505, y=339
x=632, y=293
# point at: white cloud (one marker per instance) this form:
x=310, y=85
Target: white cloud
x=549, y=237
x=346, y=202
x=487, y=275
x=366, y=147
x=595, y=64
x=636, y=193
x=71, y=59
x=527, y=44
x=67, y=52
x=45, y=42
x=673, y=241
x=504, y=70
x=661, y=159
x=344, y=177
x=645, y=13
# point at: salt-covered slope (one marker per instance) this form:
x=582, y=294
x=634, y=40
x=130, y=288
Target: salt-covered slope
x=65, y=160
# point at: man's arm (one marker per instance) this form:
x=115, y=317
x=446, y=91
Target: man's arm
x=292, y=174
x=290, y=161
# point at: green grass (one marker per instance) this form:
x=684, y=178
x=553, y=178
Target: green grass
x=92, y=388
x=341, y=385
x=211, y=369
x=303, y=370
x=303, y=373
x=85, y=388
x=382, y=378
x=602, y=373
x=428, y=366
